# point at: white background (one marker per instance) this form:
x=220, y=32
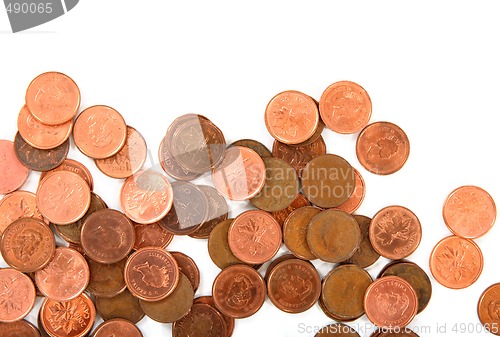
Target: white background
x=431, y=67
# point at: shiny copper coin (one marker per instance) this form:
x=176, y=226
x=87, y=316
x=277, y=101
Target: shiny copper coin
x=382, y=148
x=151, y=235
x=123, y=305
x=218, y=246
x=254, y=236
x=27, y=245
x=100, y=132
x=343, y=291
x=390, y=302
x=174, y=306
x=170, y=165
x=117, y=327
x=300, y=201
x=202, y=321
x=328, y=181
x=14, y=173
x=456, y=262
x=42, y=136
x=217, y=211
x=469, y=212
x=129, y=160
x=53, y=98
x=357, y=196
x=314, y=137
x=40, y=160
x=106, y=280
x=188, y=267
x=19, y=328
x=337, y=330
x=280, y=188
x=63, y=197
x=17, y=295
x=258, y=147
x=295, y=231
x=75, y=167
x=333, y=236
x=365, y=255
x=210, y=301
x=395, y=232
x=73, y=318
x=291, y=117
x=151, y=274
x=488, y=309
x=241, y=175
x=299, y=156
x=107, y=236
x=16, y=205
x=239, y=291
x=293, y=286
x=146, y=197
x=406, y=332
x=345, y=107
x=65, y=277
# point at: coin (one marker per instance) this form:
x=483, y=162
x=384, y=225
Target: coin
x=343, y=290
x=239, y=291
x=146, y=197
x=328, y=181
x=16, y=205
x=299, y=156
x=293, y=286
x=275, y=262
x=65, y=277
x=106, y=280
x=75, y=167
x=151, y=274
x=280, y=216
x=107, y=236
x=345, y=107
x=314, y=137
x=170, y=165
x=406, y=332
x=390, y=302
x=53, y=98
x=291, y=117
x=14, y=173
x=19, y=328
x=382, y=148
x=40, y=160
x=218, y=246
x=202, y=321
x=365, y=255
x=241, y=175
x=210, y=301
x=333, y=236
x=42, y=136
x=117, y=327
x=258, y=147
x=456, y=262
x=488, y=309
x=469, y=212
x=129, y=160
x=357, y=196
x=17, y=295
x=123, y=305
x=27, y=245
x=254, y=236
x=188, y=267
x=217, y=211
x=151, y=235
x=337, y=330
x=174, y=306
x=295, y=232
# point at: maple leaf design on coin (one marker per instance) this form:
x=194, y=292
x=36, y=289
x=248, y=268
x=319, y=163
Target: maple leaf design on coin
x=190, y=210
x=393, y=228
x=62, y=194
x=454, y=263
x=63, y=315
x=152, y=275
x=392, y=304
x=60, y=271
x=255, y=234
x=494, y=309
x=384, y=148
x=10, y=295
x=470, y=209
x=19, y=209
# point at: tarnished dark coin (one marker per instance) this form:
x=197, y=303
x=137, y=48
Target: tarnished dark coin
x=171, y=166
x=280, y=188
x=217, y=211
x=337, y=330
x=295, y=231
x=275, y=262
x=19, y=329
x=40, y=160
x=151, y=235
x=75, y=167
x=117, y=327
x=106, y=280
x=299, y=156
x=210, y=301
x=258, y=147
x=188, y=267
x=300, y=201
x=365, y=255
x=218, y=246
x=202, y=321
x=123, y=305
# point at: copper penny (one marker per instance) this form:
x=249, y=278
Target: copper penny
x=151, y=235
x=333, y=236
x=357, y=196
x=53, y=98
x=275, y=262
x=123, y=305
x=16, y=205
x=456, y=262
x=293, y=286
x=188, y=267
x=295, y=231
x=65, y=277
x=239, y=291
x=17, y=295
x=258, y=147
x=75, y=167
x=73, y=318
x=328, y=181
x=345, y=107
x=241, y=175
x=488, y=309
x=390, y=302
x=218, y=246
x=300, y=201
x=117, y=327
x=42, y=136
x=27, y=245
x=314, y=137
x=217, y=211
x=14, y=173
x=291, y=117
x=40, y=160
x=170, y=165
x=365, y=255
x=382, y=148
x=210, y=301
x=107, y=236
x=280, y=188
x=415, y=276
x=106, y=280
x=254, y=236
x=43, y=333
x=299, y=156
x=100, y=132
x=20, y=329
x=202, y=321
x=337, y=330
x=343, y=291
x=174, y=306
x=129, y=160
x=398, y=332
x=146, y=197
x=469, y=212
x=63, y=197
x=395, y=232
x=151, y=274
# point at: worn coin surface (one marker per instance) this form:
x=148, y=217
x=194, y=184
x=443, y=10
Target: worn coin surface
x=106, y=280
x=188, y=267
x=170, y=165
x=275, y=262
x=14, y=172
x=203, y=320
x=20, y=328
x=210, y=301
x=365, y=255
x=488, y=309
x=75, y=167
x=357, y=196
x=151, y=235
x=218, y=246
x=217, y=211
x=300, y=201
x=337, y=330
x=16, y=205
x=258, y=147
x=299, y=156
x=40, y=160
x=117, y=327
x=123, y=305
x=295, y=231
x=17, y=295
